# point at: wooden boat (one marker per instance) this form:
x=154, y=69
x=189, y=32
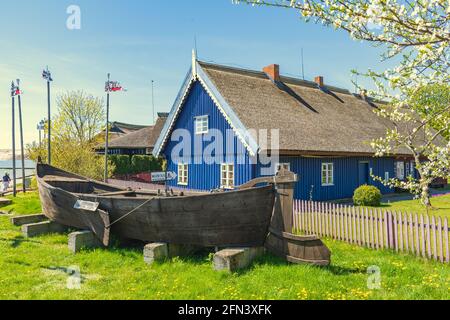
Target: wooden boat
x=234, y=218
x=249, y=216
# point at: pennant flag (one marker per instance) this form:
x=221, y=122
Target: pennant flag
x=113, y=86
x=15, y=91
x=47, y=75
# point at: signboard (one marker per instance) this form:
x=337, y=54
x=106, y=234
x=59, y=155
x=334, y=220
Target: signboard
x=163, y=176
x=86, y=205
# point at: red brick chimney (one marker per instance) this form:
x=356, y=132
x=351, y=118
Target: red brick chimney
x=319, y=81
x=273, y=71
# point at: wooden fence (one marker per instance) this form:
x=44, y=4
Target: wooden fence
x=418, y=234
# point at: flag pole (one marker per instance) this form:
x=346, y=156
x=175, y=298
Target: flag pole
x=46, y=74
x=107, y=129
x=21, y=136
x=153, y=103
x=13, y=140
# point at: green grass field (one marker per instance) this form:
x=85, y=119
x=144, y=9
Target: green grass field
x=36, y=269
x=441, y=206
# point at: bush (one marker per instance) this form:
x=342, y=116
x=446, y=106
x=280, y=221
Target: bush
x=367, y=196
x=125, y=164
x=122, y=164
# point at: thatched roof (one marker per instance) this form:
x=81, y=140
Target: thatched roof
x=310, y=119
x=139, y=139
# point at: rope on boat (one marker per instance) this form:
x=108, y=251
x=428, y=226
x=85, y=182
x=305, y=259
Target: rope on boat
x=127, y=214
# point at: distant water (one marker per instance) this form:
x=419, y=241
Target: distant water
x=9, y=164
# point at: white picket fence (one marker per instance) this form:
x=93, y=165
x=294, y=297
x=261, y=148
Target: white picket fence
x=418, y=234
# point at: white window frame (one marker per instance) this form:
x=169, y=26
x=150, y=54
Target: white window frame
x=327, y=172
x=386, y=176
x=183, y=174
x=227, y=182
x=278, y=167
x=201, y=124
x=400, y=170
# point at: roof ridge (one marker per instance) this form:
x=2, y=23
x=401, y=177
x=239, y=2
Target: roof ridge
x=261, y=74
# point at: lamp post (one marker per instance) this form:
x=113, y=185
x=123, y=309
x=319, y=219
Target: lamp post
x=13, y=94
x=46, y=75
x=22, y=156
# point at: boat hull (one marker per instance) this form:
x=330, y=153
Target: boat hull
x=235, y=218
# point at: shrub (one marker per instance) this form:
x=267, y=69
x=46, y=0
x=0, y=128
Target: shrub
x=367, y=196
x=122, y=163
x=125, y=164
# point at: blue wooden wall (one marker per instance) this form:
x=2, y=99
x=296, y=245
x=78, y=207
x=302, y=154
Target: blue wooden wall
x=346, y=176
x=207, y=176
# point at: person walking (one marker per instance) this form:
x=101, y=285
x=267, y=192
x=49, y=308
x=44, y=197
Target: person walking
x=6, y=181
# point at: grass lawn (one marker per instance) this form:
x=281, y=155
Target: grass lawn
x=36, y=269
x=441, y=206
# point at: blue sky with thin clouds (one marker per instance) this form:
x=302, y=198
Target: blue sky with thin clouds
x=140, y=40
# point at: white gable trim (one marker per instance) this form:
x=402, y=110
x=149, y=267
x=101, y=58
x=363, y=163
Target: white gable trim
x=173, y=115
x=230, y=116
x=227, y=112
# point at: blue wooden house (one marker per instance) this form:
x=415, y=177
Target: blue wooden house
x=322, y=133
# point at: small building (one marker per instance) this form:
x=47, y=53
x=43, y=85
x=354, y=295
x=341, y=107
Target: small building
x=140, y=141
x=119, y=129
x=323, y=133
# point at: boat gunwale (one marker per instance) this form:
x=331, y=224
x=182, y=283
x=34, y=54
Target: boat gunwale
x=42, y=181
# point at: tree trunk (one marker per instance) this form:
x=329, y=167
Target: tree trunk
x=425, y=194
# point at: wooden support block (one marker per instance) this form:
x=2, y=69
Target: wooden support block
x=36, y=229
x=83, y=239
x=162, y=251
x=5, y=202
x=33, y=218
x=236, y=258
x=155, y=252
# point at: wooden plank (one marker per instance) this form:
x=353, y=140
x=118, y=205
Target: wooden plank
x=406, y=232
x=326, y=219
x=309, y=223
x=334, y=221
x=428, y=232
x=319, y=219
x=411, y=231
x=440, y=242
x=357, y=228
x=375, y=222
x=372, y=230
x=400, y=231
x=362, y=224
x=380, y=231
x=390, y=230
x=345, y=221
x=416, y=234
x=367, y=228
x=338, y=223
x=395, y=230
x=303, y=216
x=314, y=216
x=385, y=229
x=433, y=227
x=422, y=235
x=447, y=250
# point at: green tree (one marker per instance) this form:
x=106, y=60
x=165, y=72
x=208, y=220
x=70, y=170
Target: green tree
x=417, y=34
x=75, y=135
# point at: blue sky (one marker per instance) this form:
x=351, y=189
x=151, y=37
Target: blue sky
x=140, y=40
